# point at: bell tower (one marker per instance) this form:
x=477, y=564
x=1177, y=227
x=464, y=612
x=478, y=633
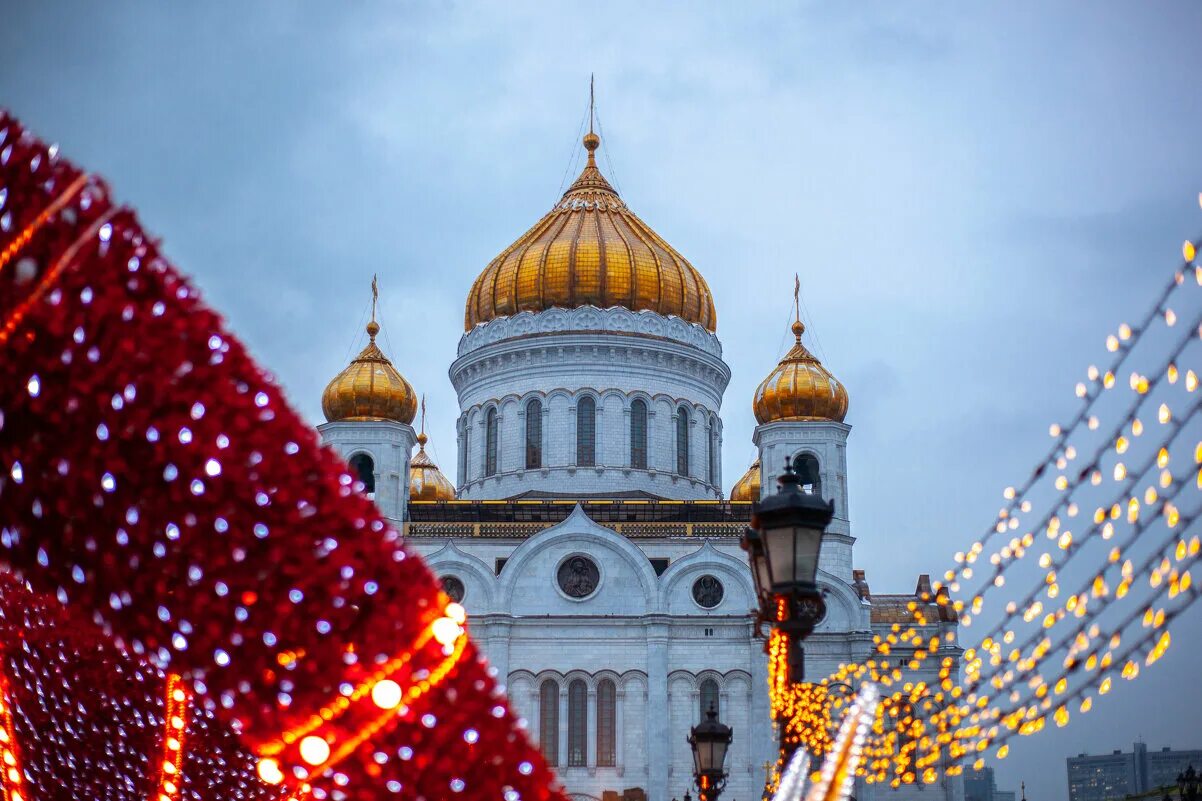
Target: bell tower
x=369, y=408
x=800, y=408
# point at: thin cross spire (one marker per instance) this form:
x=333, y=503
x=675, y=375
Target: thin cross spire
x=798, y=326
x=591, y=102
x=423, y=413
x=375, y=295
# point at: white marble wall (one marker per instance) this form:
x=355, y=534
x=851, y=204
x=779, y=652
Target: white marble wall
x=645, y=632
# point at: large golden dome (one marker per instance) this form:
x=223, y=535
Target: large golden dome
x=590, y=250
x=426, y=481
x=747, y=488
x=369, y=388
x=800, y=388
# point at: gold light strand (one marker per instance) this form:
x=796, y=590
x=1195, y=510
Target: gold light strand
x=313, y=748
x=50, y=276
x=339, y=705
x=11, y=780
x=837, y=777
x=390, y=715
x=175, y=713
x=28, y=232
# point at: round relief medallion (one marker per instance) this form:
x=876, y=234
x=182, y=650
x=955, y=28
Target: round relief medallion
x=453, y=587
x=578, y=576
x=708, y=591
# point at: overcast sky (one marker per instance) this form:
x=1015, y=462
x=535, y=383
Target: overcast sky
x=973, y=198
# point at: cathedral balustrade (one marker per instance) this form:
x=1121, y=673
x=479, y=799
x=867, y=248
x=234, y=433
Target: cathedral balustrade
x=526, y=517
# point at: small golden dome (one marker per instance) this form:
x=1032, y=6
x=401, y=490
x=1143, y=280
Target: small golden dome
x=800, y=388
x=369, y=388
x=747, y=488
x=590, y=250
x=426, y=481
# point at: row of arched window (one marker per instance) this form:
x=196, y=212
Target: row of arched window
x=605, y=729
x=586, y=438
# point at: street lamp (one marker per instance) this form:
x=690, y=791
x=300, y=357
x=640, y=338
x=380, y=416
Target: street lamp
x=709, y=740
x=783, y=544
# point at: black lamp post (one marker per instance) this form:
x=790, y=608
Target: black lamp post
x=1189, y=785
x=709, y=740
x=783, y=544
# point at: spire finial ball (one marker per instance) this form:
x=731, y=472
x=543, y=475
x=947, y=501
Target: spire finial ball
x=591, y=141
x=798, y=329
x=373, y=328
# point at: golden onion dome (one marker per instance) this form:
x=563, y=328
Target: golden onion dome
x=590, y=250
x=426, y=481
x=369, y=388
x=747, y=488
x=800, y=388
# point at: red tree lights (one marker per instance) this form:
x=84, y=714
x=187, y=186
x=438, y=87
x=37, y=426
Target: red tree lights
x=155, y=477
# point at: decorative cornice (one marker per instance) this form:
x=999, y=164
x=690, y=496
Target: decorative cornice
x=590, y=319
x=556, y=349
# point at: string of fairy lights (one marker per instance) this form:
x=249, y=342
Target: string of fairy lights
x=1048, y=653
x=12, y=788
x=175, y=723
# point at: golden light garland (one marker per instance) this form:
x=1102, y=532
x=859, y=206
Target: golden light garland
x=12, y=787
x=57, y=205
x=316, y=751
x=1012, y=686
x=175, y=723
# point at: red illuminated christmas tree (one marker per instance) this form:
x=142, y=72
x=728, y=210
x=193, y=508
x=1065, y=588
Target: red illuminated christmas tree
x=156, y=481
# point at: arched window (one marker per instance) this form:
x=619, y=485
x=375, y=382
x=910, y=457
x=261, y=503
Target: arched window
x=709, y=697
x=682, y=441
x=534, y=434
x=548, y=721
x=607, y=724
x=807, y=470
x=712, y=451
x=638, y=434
x=490, y=443
x=364, y=470
x=586, y=432
x=577, y=723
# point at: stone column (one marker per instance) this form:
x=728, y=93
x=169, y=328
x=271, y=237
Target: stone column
x=536, y=713
x=590, y=748
x=619, y=731
x=658, y=713
x=563, y=725
x=572, y=442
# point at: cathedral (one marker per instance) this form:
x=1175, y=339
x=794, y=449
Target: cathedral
x=587, y=532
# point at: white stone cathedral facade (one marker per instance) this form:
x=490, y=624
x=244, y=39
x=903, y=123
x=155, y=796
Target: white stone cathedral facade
x=587, y=532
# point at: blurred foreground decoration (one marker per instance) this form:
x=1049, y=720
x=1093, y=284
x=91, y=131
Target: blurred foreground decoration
x=156, y=481
x=835, y=781
x=1072, y=587
x=78, y=713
